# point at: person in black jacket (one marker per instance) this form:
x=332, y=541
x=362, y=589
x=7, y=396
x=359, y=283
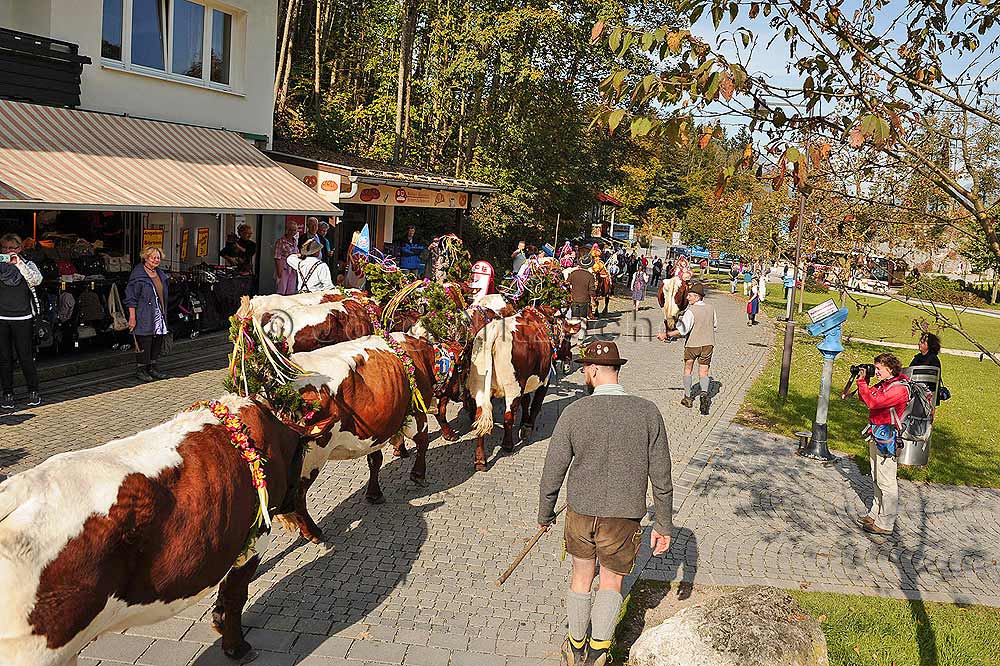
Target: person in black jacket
x=930, y=347
x=17, y=278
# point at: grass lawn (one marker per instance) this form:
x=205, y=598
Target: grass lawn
x=891, y=321
x=859, y=630
x=965, y=441
x=894, y=632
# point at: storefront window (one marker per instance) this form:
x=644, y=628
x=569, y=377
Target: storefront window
x=189, y=33
x=111, y=32
x=149, y=33
x=222, y=28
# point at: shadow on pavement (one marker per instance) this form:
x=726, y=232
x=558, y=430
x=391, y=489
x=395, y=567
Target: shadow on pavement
x=371, y=551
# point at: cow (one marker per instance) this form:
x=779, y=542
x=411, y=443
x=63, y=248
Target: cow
x=672, y=297
x=604, y=287
x=132, y=532
x=512, y=358
x=362, y=391
x=270, y=302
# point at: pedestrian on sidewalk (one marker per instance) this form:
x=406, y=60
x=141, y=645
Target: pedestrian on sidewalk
x=312, y=273
x=18, y=278
x=606, y=496
x=657, y=272
x=146, y=297
x=734, y=274
x=747, y=279
x=698, y=324
x=284, y=247
x=886, y=400
x=753, y=305
x=638, y=289
x=582, y=286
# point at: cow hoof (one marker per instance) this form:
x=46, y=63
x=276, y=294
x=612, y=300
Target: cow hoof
x=525, y=433
x=380, y=499
x=244, y=654
x=419, y=480
x=507, y=448
x=480, y=466
x=449, y=435
x=401, y=452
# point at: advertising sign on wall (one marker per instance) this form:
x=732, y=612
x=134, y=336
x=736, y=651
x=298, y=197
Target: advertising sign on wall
x=185, y=242
x=152, y=237
x=202, y=242
x=387, y=195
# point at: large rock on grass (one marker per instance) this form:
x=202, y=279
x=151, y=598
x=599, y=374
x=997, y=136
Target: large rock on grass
x=755, y=626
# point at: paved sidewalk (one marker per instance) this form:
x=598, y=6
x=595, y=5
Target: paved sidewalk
x=412, y=581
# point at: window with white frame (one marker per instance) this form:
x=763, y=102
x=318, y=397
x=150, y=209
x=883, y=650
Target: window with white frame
x=183, y=38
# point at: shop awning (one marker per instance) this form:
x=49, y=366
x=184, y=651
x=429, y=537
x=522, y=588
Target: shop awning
x=59, y=159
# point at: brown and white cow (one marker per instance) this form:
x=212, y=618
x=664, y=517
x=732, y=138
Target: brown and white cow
x=132, y=532
x=364, y=398
x=512, y=358
x=271, y=302
x=672, y=297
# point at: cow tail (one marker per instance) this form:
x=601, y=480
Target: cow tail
x=482, y=358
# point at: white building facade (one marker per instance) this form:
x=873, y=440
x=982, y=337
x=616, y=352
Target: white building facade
x=198, y=62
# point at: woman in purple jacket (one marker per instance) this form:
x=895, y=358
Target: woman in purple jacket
x=146, y=300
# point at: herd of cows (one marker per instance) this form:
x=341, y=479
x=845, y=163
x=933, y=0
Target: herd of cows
x=132, y=532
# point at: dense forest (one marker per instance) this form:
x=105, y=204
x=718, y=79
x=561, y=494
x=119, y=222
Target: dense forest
x=502, y=91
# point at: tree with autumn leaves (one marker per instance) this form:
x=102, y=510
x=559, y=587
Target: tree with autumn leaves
x=907, y=86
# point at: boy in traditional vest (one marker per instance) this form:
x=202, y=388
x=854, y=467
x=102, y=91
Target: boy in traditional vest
x=698, y=324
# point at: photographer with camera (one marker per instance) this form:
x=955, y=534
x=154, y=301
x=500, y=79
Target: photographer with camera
x=886, y=399
x=17, y=278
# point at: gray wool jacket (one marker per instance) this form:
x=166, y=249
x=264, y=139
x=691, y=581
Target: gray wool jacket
x=610, y=444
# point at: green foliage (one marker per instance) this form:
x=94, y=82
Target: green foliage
x=544, y=285
x=443, y=319
x=383, y=284
x=941, y=290
x=815, y=287
x=254, y=376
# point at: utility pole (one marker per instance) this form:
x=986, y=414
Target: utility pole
x=786, y=356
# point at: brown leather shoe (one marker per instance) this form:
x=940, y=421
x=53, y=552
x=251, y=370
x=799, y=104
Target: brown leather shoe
x=864, y=519
x=687, y=401
x=875, y=529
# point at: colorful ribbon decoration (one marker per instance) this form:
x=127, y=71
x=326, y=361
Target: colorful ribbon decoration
x=417, y=399
x=240, y=438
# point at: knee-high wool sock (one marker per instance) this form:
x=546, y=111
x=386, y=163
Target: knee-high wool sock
x=604, y=615
x=688, y=383
x=578, y=610
x=706, y=383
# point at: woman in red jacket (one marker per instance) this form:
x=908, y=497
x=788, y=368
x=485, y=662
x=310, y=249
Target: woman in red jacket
x=886, y=400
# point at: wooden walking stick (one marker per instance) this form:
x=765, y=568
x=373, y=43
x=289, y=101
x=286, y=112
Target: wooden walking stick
x=527, y=549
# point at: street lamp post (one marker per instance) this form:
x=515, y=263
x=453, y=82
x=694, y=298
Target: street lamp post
x=786, y=356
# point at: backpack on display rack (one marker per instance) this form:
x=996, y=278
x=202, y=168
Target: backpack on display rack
x=918, y=416
x=43, y=334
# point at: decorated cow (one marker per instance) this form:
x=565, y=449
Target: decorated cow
x=366, y=394
x=132, y=532
x=512, y=357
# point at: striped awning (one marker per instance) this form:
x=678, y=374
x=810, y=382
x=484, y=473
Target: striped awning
x=60, y=159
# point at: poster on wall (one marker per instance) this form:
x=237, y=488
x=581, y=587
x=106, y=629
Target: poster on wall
x=202, y=241
x=185, y=241
x=152, y=238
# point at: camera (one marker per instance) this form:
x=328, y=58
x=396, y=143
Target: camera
x=5, y=258
x=867, y=368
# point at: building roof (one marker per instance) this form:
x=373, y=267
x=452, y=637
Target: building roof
x=61, y=159
x=376, y=172
x=603, y=197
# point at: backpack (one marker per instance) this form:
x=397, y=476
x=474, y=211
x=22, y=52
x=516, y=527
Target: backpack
x=915, y=422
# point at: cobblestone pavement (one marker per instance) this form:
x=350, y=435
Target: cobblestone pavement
x=412, y=581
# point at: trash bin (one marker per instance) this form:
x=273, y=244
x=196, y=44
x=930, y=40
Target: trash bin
x=917, y=454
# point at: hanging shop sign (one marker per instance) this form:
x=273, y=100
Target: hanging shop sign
x=202, y=241
x=152, y=237
x=387, y=195
x=185, y=242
